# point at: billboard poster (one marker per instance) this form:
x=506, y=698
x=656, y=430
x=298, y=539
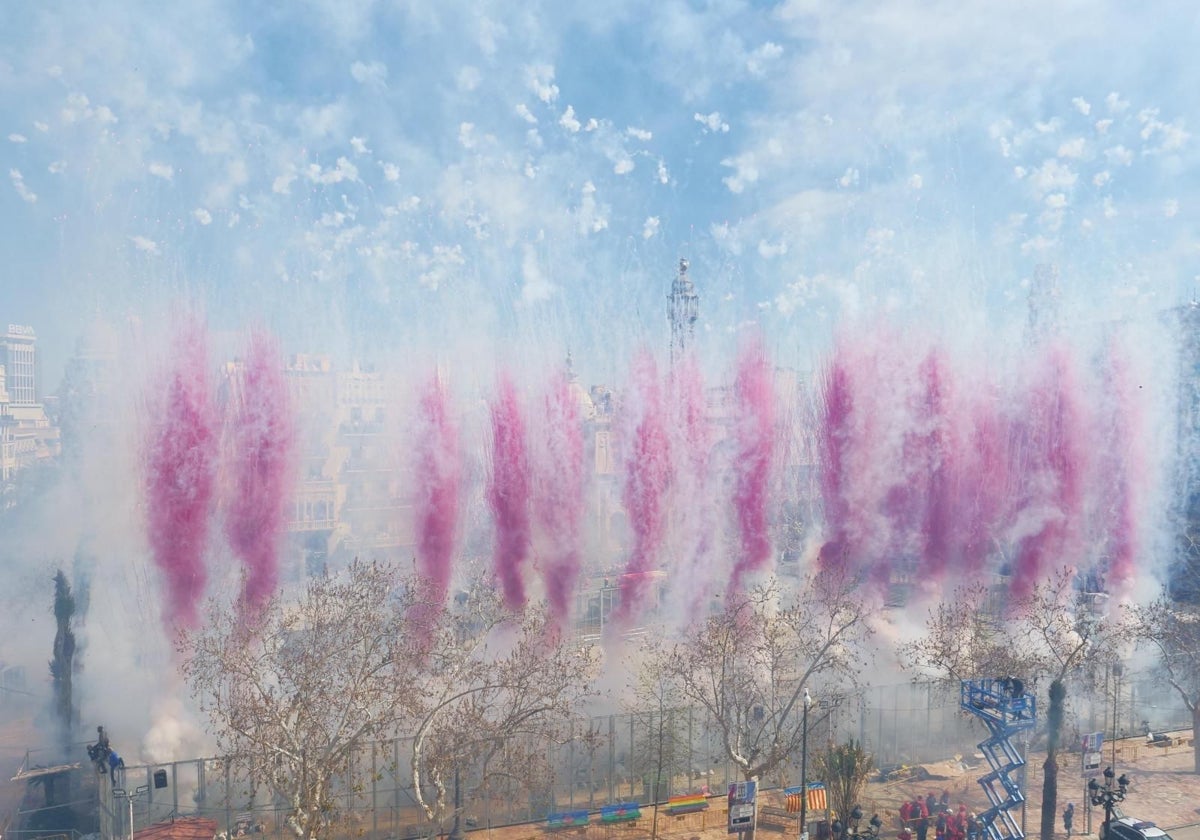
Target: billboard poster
x=1093, y=754
x=741, y=806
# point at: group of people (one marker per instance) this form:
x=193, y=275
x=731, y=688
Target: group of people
x=919, y=815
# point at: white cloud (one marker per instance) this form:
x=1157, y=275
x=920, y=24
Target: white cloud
x=468, y=78
x=79, y=109
x=664, y=177
x=18, y=182
x=1115, y=103
x=466, y=135
x=441, y=266
x=1056, y=200
x=798, y=294
x=712, y=122
x=161, y=170
x=391, y=172
x=1052, y=175
x=1171, y=208
x=760, y=60
x=591, y=124
x=17, y=138
x=768, y=251
x=373, y=74
x=915, y=181
x=359, y=145
x=639, y=133
x=568, y=121
x=202, y=216
x=282, y=185
x=849, y=178
x=41, y=126
x=1119, y=156
x=1082, y=105
x=1102, y=126
x=623, y=165
x=56, y=167
x=1101, y=178
x=524, y=113
x=745, y=172
x=540, y=79
x=145, y=245
x=592, y=217
x=1110, y=209
x=535, y=287
x=343, y=170
x=650, y=227
x=1072, y=148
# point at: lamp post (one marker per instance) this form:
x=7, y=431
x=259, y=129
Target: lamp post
x=1117, y=670
x=804, y=764
x=129, y=796
x=1107, y=796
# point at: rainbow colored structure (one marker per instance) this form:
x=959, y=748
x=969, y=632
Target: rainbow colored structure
x=1006, y=709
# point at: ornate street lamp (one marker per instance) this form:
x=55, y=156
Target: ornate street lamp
x=1108, y=796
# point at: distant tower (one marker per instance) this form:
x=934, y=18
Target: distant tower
x=1043, y=301
x=682, y=311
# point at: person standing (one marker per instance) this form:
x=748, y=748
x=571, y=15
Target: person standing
x=1069, y=817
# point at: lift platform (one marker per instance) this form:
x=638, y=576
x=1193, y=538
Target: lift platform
x=1007, y=710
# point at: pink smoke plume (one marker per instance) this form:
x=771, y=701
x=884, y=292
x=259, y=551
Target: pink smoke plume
x=940, y=537
x=262, y=448
x=647, y=476
x=986, y=477
x=180, y=473
x=834, y=442
x=1052, y=456
x=754, y=434
x=437, y=472
x=508, y=492
x=559, y=497
x=694, y=516
x=1126, y=468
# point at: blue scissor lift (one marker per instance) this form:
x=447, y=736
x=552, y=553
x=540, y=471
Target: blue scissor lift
x=1006, y=709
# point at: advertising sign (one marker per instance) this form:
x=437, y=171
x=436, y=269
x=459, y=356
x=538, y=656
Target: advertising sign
x=741, y=806
x=1092, y=750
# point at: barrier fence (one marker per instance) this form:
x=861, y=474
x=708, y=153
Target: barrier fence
x=606, y=761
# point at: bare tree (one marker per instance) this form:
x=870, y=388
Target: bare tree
x=1053, y=632
x=294, y=695
x=965, y=638
x=297, y=694
x=499, y=690
x=1172, y=629
x=748, y=666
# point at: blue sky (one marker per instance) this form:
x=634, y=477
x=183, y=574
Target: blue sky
x=368, y=176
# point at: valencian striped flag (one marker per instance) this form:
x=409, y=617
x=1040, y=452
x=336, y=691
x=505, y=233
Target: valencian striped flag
x=817, y=800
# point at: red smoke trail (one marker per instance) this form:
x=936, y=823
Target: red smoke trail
x=648, y=472
x=508, y=492
x=834, y=441
x=940, y=458
x=754, y=432
x=1126, y=470
x=437, y=476
x=558, y=497
x=694, y=515
x=1054, y=462
x=263, y=450
x=986, y=476
x=180, y=472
